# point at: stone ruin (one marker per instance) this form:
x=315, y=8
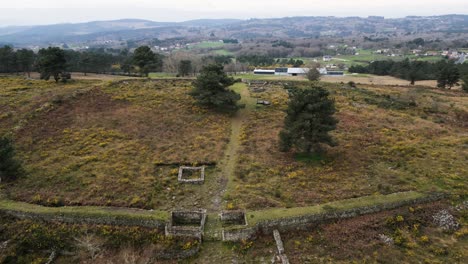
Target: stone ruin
x=257, y=86
x=229, y=218
x=186, y=175
x=187, y=223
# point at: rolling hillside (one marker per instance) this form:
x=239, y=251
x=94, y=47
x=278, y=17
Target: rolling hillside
x=289, y=27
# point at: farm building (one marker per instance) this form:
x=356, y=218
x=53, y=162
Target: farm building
x=264, y=72
x=297, y=71
x=283, y=71
x=335, y=73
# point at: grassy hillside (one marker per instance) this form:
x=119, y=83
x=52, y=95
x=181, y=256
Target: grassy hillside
x=116, y=144
x=390, y=139
x=120, y=143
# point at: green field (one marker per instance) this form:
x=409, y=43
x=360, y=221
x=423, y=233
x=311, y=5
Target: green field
x=208, y=45
x=161, y=75
x=366, y=56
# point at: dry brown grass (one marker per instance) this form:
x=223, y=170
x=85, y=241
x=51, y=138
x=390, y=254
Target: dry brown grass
x=390, y=139
x=93, y=77
x=416, y=240
x=109, y=144
x=375, y=80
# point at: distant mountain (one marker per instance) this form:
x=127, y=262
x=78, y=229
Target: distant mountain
x=210, y=22
x=96, y=29
x=12, y=30
x=98, y=32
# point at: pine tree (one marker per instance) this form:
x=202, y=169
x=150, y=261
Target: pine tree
x=147, y=60
x=10, y=168
x=210, y=89
x=52, y=63
x=448, y=76
x=465, y=83
x=309, y=120
x=185, y=67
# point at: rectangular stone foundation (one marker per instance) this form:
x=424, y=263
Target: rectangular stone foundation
x=233, y=218
x=187, y=223
x=199, y=180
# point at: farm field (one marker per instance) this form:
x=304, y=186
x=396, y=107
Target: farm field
x=208, y=44
x=119, y=143
x=375, y=80
x=367, y=56
x=357, y=78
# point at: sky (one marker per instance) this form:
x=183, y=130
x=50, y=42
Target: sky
x=36, y=12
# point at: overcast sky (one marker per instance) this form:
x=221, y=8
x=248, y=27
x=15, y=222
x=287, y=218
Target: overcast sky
x=27, y=12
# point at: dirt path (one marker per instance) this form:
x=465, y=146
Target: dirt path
x=228, y=163
x=224, y=174
x=213, y=251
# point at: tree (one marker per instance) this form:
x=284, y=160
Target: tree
x=127, y=66
x=52, y=62
x=313, y=75
x=85, y=62
x=147, y=60
x=309, y=119
x=448, y=76
x=7, y=60
x=414, y=74
x=210, y=89
x=465, y=83
x=10, y=168
x=185, y=67
x=25, y=60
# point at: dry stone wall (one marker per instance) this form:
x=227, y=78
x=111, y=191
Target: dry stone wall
x=301, y=222
x=80, y=219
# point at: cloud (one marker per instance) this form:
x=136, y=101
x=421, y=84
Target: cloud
x=57, y=11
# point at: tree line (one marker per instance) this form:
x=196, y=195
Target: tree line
x=54, y=61
x=445, y=72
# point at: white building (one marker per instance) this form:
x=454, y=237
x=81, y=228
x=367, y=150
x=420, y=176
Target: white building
x=283, y=71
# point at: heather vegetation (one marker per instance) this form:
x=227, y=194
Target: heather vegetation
x=120, y=143
x=194, y=142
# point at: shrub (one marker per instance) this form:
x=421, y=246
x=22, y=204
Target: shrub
x=313, y=75
x=10, y=168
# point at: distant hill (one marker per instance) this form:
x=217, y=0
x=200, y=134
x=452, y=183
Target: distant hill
x=210, y=22
x=289, y=27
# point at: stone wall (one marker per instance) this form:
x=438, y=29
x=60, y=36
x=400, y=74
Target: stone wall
x=186, y=218
x=233, y=218
x=186, y=224
x=198, y=180
x=240, y=234
x=301, y=222
x=81, y=219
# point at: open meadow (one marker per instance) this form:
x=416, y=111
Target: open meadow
x=120, y=143
x=390, y=139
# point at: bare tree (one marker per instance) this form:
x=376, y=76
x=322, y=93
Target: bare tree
x=89, y=244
